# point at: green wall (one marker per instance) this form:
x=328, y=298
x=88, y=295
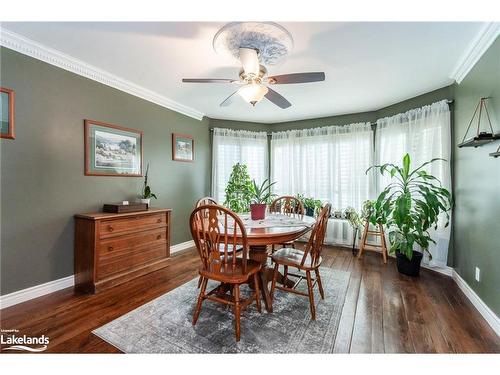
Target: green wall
x=42, y=180
x=418, y=101
x=324, y=121
x=477, y=184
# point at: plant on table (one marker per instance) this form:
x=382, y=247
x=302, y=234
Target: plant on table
x=409, y=206
x=239, y=189
x=261, y=196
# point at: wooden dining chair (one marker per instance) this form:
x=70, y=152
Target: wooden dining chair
x=214, y=229
x=287, y=205
x=307, y=261
x=210, y=200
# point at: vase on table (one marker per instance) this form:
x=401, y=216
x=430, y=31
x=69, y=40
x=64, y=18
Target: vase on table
x=146, y=200
x=258, y=211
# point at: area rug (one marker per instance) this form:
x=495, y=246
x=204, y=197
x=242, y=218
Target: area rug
x=164, y=324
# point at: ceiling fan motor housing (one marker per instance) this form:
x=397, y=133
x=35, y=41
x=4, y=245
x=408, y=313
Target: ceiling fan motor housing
x=250, y=78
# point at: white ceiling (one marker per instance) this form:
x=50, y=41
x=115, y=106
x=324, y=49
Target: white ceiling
x=367, y=65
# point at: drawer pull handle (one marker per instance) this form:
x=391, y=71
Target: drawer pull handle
x=110, y=228
x=158, y=237
x=158, y=221
x=110, y=248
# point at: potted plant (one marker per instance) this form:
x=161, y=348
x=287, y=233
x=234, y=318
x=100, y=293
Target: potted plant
x=239, y=189
x=312, y=206
x=352, y=216
x=367, y=209
x=261, y=197
x=409, y=206
x=146, y=194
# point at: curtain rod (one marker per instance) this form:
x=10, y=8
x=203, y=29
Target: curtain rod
x=449, y=101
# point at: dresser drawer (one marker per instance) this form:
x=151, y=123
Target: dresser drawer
x=129, y=261
x=131, y=224
x=115, y=247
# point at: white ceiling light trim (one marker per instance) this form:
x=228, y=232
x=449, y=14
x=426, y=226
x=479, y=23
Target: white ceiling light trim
x=54, y=57
x=484, y=39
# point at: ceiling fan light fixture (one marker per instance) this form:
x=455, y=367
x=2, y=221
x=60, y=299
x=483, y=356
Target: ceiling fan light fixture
x=253, y=93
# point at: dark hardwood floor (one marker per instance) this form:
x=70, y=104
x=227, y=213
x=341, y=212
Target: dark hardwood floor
x=384, y=312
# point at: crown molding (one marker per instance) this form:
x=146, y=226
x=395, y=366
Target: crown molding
x=483, y=40
x=54, y=57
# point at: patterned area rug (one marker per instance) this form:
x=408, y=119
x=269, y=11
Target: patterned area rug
x=164, y=324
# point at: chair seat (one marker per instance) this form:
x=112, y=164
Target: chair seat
x=230, y=273
x=293, y=257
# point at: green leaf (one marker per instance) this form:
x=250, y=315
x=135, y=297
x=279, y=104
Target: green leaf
x=406, y=165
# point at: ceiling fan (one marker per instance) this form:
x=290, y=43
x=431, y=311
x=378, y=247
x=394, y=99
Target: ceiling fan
x=253, y=80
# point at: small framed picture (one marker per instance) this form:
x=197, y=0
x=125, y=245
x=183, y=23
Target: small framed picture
x=7, y=113
x=182, y=147
x=112, y=150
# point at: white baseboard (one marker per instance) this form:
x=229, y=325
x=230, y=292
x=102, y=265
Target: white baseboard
x=478, y=303
x=36, y=291
x=448, y=271
x=181, y=246
x=66, y=282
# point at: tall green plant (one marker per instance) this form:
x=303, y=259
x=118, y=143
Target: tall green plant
x=410, y=205
x=239, y=189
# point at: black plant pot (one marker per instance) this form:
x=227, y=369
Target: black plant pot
x=409, y=267
x=310, y=212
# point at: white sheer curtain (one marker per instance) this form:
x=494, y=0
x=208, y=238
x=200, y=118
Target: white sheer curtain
x=327, y=163
x=237, y=146
x=424, y=133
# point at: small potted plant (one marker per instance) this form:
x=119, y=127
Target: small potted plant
x=312, y=206
x=409, y=206
x=261, y=196
x=146, y=194
x=352, y=216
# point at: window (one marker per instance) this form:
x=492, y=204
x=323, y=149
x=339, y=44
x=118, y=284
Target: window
x=237, y=146
x=325, y=163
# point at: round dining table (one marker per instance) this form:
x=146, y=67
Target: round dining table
x=261, y=233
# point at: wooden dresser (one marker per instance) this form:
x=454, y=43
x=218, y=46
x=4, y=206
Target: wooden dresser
x=113, y=248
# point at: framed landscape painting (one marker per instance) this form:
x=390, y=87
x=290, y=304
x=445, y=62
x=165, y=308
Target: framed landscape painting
x=182, y=147
x=112, y=150
x=7, y=113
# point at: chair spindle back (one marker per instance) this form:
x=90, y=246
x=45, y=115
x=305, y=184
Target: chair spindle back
x=287, y=205
x=214, y=228
x=315, y=243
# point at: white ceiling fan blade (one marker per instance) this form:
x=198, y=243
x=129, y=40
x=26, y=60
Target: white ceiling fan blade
x=249, y=61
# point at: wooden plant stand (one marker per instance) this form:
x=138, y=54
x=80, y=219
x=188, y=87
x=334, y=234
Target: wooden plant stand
x=379, y=248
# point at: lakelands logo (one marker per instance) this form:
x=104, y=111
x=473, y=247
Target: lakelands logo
x=23, y=342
